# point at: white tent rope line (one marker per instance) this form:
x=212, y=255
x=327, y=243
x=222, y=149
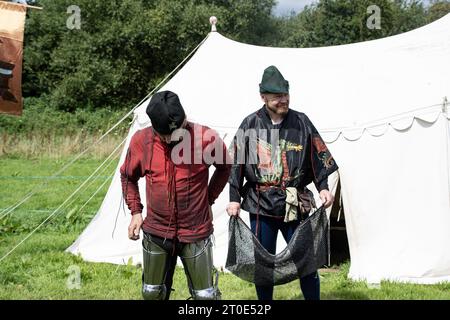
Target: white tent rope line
x=106, y=166
x=101, y=173
x=38, y=187
x=92, y=180
x=5, y=209
x=48, y=179
x=57, y=209
x=163, y=81
x=97, y=191
x=41, y=210
x=33, y=191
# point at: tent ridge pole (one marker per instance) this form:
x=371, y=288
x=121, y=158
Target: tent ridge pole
x=445, y=105
x=213, y=22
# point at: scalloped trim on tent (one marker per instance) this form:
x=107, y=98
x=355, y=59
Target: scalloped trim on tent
x=398, y=123
x=378, y=128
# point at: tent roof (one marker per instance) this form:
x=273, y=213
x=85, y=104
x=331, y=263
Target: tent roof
x=347, y=86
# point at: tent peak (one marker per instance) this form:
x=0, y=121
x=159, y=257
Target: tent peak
x=213, y=22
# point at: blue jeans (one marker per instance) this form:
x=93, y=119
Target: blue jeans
x=267, y=236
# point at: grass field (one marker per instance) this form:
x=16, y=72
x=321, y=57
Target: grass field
x=40, y=269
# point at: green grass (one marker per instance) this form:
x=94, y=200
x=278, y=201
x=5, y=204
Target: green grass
x=40, y=269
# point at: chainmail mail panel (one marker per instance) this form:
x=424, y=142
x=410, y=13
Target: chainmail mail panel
x=307, y=251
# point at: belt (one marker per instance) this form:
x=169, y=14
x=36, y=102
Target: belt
x=265, y=187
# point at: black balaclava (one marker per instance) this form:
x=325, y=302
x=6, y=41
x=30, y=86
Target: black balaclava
x=165, y=112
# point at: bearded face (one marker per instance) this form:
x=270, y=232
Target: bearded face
x=278, y=103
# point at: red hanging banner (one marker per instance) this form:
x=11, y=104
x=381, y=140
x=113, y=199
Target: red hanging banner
x=12, y=25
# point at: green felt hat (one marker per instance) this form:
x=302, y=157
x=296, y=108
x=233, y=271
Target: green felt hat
x=273, y=81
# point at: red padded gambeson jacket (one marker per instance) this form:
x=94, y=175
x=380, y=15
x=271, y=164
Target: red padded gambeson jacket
x=177, y=191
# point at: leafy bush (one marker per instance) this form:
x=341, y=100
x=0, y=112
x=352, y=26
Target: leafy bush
x=123, y=47
x=40, y=119
x=337, y=22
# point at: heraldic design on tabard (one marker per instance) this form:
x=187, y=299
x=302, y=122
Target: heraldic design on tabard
x=276, y=169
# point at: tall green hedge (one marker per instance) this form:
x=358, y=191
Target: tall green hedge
x=124, y=47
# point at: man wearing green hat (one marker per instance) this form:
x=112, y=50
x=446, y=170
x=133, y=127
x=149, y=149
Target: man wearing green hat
x=279, y=152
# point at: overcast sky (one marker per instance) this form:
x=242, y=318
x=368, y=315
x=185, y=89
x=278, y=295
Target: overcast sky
x=286, y=6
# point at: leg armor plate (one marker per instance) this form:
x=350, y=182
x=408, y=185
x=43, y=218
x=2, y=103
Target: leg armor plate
x=154, y=270
x=197, y=259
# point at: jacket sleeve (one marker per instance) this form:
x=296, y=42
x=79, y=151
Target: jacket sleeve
x=238, y=152
x=322, y=162
x=220, y=159
x=130, y=173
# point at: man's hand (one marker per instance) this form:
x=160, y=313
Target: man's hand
x=326, y=197
x=233, y=209
x=135, y=226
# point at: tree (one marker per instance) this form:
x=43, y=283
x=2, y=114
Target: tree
x=437, y=9
x=123, y=48
x=336, y=22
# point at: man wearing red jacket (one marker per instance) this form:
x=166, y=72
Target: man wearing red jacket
x=174, y=156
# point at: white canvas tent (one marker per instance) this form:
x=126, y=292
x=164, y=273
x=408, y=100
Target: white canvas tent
x=380, y=107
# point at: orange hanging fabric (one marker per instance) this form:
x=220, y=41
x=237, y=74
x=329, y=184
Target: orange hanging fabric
x=12, y=25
